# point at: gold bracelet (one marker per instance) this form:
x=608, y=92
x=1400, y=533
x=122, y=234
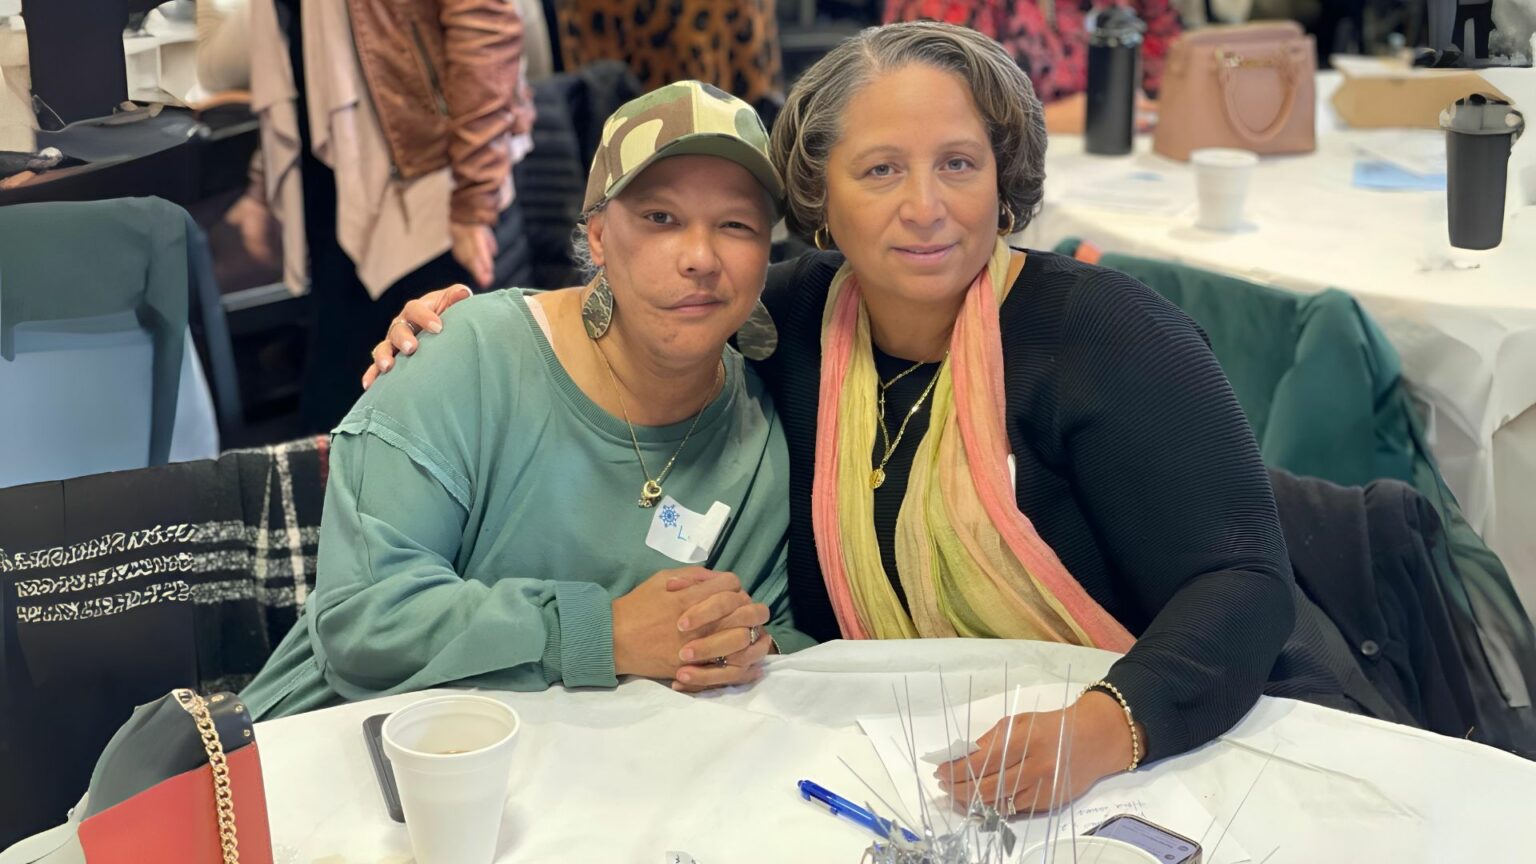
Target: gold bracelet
x=1125, y=706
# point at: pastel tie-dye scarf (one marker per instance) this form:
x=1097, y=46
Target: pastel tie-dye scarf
x=970, y=563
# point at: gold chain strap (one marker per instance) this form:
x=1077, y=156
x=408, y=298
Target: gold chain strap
x=223, y=795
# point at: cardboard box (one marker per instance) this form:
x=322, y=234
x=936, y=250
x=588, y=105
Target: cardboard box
x=1387, y=93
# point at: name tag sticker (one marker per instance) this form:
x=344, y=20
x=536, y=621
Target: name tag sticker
x=683, y=535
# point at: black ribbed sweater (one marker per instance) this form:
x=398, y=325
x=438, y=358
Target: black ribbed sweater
x=1135, y=463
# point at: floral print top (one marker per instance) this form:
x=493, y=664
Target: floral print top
x=1056, y=57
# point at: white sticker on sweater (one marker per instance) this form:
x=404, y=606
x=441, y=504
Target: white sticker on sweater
x=683, y=535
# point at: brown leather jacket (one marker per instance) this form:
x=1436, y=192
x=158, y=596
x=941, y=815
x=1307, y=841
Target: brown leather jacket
x=445, y=81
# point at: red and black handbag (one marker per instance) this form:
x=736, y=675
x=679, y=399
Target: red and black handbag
x=180, y=783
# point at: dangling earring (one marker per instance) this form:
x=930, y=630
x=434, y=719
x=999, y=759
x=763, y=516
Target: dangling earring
x=597, y=308
x=818, y=234
x=758, y=338
x=1004, y=232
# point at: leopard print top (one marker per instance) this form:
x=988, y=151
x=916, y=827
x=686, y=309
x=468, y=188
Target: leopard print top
x=733, y=45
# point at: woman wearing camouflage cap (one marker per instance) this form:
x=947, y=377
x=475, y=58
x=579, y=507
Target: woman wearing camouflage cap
x=991, y=442
x=509, y=509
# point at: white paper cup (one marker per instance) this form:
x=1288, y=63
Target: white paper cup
x=1221, y=183
x=1098, y=850
x=452, y=758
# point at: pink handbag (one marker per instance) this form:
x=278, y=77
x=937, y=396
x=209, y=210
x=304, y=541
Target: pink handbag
x=1251, y=87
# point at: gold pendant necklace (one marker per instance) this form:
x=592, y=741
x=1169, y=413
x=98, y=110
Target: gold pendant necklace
x=877, y=476
x=650, y=490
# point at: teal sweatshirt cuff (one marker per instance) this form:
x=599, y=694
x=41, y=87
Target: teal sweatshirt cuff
x=578, y=650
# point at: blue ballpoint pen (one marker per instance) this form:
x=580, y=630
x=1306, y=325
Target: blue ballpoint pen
x=841, y=806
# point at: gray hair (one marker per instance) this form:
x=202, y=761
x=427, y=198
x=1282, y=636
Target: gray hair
x=581, y=247
x=811, y=120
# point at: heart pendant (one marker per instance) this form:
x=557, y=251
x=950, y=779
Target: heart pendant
x=650, y=493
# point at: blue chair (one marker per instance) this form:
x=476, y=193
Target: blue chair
x=94, y=357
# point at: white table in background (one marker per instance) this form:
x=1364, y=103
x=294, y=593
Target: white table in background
x=625, y=776
x=1466, y=333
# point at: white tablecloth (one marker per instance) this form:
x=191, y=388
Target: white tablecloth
x=628, y=775
x=1466, y=331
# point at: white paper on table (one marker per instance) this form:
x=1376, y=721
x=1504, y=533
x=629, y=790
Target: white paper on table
x=1417, y=151
x=1133, y=191
x=1155, y=794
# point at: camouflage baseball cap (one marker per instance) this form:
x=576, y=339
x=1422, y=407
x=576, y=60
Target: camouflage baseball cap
x=685, y=118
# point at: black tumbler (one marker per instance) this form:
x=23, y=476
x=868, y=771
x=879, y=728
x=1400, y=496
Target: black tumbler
x=1480, y=132
x=1114, y=75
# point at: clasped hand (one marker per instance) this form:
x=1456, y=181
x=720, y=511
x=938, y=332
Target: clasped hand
x=676, y=624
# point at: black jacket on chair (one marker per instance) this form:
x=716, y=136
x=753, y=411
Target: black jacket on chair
x=1374, y=561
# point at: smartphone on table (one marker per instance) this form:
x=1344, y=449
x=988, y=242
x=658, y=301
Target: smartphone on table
x=373, y=734
x=1163, y=844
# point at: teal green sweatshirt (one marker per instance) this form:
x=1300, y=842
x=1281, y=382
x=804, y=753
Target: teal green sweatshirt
x=480, y=518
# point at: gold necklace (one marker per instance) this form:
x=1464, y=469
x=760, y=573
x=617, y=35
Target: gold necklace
x=877, y=476
x=650, y=491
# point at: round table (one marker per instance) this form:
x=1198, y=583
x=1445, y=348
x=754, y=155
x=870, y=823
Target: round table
x=628, y=775
x=1464, y=322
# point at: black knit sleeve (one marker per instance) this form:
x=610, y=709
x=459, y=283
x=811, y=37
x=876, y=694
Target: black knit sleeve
x=783, y=279
x=1171, y=481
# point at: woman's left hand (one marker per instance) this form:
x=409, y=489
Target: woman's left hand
x=420, y=314
x=1097, y=744
x=739, y=636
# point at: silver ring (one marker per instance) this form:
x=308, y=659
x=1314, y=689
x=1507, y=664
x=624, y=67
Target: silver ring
x=400, y=319
x=722, y=662
x=754, y=633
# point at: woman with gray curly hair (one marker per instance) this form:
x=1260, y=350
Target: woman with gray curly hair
x=993, y=442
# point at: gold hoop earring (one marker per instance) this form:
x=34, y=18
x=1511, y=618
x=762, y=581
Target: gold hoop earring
x=1004, y=232
x=821, y=244
x=597, y=308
